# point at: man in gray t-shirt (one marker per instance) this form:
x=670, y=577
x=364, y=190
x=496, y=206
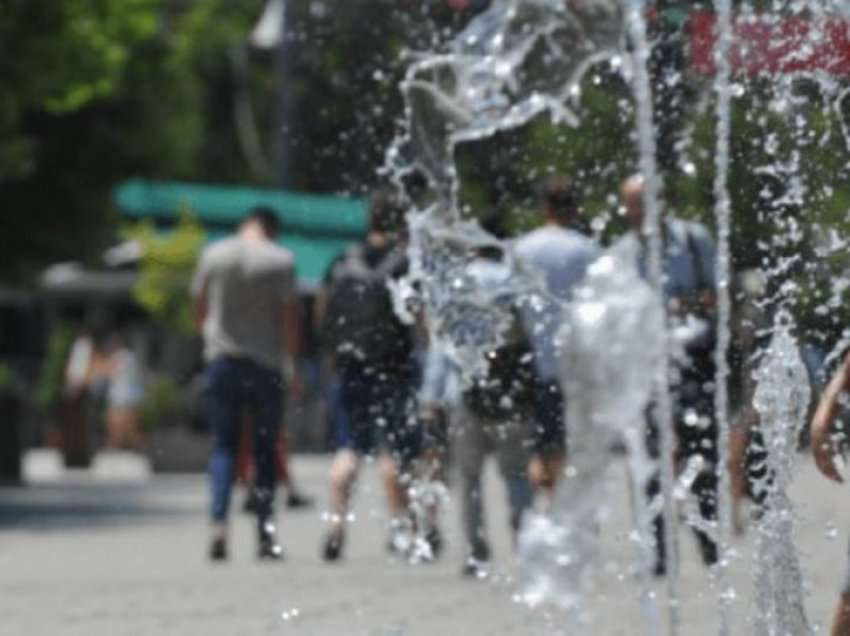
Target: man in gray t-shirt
x=246, y=284
x=561, y=255
x=247, y=308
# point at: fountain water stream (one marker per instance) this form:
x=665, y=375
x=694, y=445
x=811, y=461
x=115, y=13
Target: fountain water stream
x=722, y=212
x=520, y=60
x=782, y=400
x=560, y=550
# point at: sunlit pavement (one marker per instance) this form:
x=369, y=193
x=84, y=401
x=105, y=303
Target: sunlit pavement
x=92, y=557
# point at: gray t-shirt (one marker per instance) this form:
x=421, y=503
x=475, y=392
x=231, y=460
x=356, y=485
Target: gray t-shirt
x=562, y=256
x=246, y=284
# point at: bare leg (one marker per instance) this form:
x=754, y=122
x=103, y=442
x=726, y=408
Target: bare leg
x=394, y=490
x=841, y=620
x=343, y=473
x=544, y=469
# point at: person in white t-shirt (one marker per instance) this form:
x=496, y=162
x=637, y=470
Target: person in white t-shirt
x=562, y=255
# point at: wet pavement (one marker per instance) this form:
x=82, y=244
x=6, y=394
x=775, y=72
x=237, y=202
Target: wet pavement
x=90, y=557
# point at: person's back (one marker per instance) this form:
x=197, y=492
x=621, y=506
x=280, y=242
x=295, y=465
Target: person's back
x=362, y=327
x=245, y=302
x=247, y=284
x=372, y=350
x=561, y=254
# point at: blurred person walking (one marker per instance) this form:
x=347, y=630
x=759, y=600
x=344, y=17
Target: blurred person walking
x=247, y=307
x=103, y=365
x=689, y=290
x=372, y=353
x=562, y=255
x=494, y=411
x=124, y=395
x=247, y=474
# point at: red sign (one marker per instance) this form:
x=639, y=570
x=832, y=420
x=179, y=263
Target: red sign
x=769, y=43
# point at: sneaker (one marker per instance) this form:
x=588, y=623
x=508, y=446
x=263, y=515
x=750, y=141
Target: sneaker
x=435, y=540
x=477, y=564
x=218, y=549
x=296, y=500
x=332, y=547
x=268, y=548
x=400, y=541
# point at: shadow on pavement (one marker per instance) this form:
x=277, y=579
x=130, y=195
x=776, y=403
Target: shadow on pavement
x=64, y=507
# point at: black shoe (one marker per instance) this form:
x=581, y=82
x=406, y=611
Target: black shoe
x=269, y=549
x=708, y=549
x=435, y=540
x=332, y=547
x=218, y=549
x=296, y=500
x=477, y=564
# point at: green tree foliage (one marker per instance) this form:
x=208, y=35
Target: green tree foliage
x=104, y=90
x=163, y=400
x=168, y=262
x=51, y=380
x=100, y=91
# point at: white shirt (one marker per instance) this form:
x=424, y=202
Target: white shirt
x=562, y=256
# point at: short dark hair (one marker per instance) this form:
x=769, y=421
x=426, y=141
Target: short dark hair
x=561, y=197
x=386, y=212
x=268, y=219
x=494, y=223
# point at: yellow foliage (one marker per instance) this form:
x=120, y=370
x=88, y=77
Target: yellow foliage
x=166, y=269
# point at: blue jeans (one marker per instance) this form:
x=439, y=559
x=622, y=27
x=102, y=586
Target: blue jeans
x=235, y=387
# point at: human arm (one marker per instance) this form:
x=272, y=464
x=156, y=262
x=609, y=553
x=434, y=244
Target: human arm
x=820, y=429
x=198, y=292
x=199, y=312
x=292, y=334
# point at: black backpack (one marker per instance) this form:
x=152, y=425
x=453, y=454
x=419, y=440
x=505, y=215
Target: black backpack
x=506, y=392
x=361, y=325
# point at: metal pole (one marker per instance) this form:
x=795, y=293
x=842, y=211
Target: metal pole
x=283, y=135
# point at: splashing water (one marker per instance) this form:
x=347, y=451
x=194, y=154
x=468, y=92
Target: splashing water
x=560, y=551
x=652, y=228
x=782, y=400
x=723, y=216
x=514, y=62
x=521, y=59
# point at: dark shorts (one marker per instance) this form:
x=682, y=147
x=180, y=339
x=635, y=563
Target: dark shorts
x=695, y=426
x=549, y=426
x=378, y=412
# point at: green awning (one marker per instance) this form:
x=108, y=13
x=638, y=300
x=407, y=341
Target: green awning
x=316, y=228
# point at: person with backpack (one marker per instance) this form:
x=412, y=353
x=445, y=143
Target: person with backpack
x=562, y=255
x=689, y=288
x=372, y=352
x=493, y=411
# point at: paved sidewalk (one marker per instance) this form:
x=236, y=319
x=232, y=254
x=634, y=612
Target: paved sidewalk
x=90, y=558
